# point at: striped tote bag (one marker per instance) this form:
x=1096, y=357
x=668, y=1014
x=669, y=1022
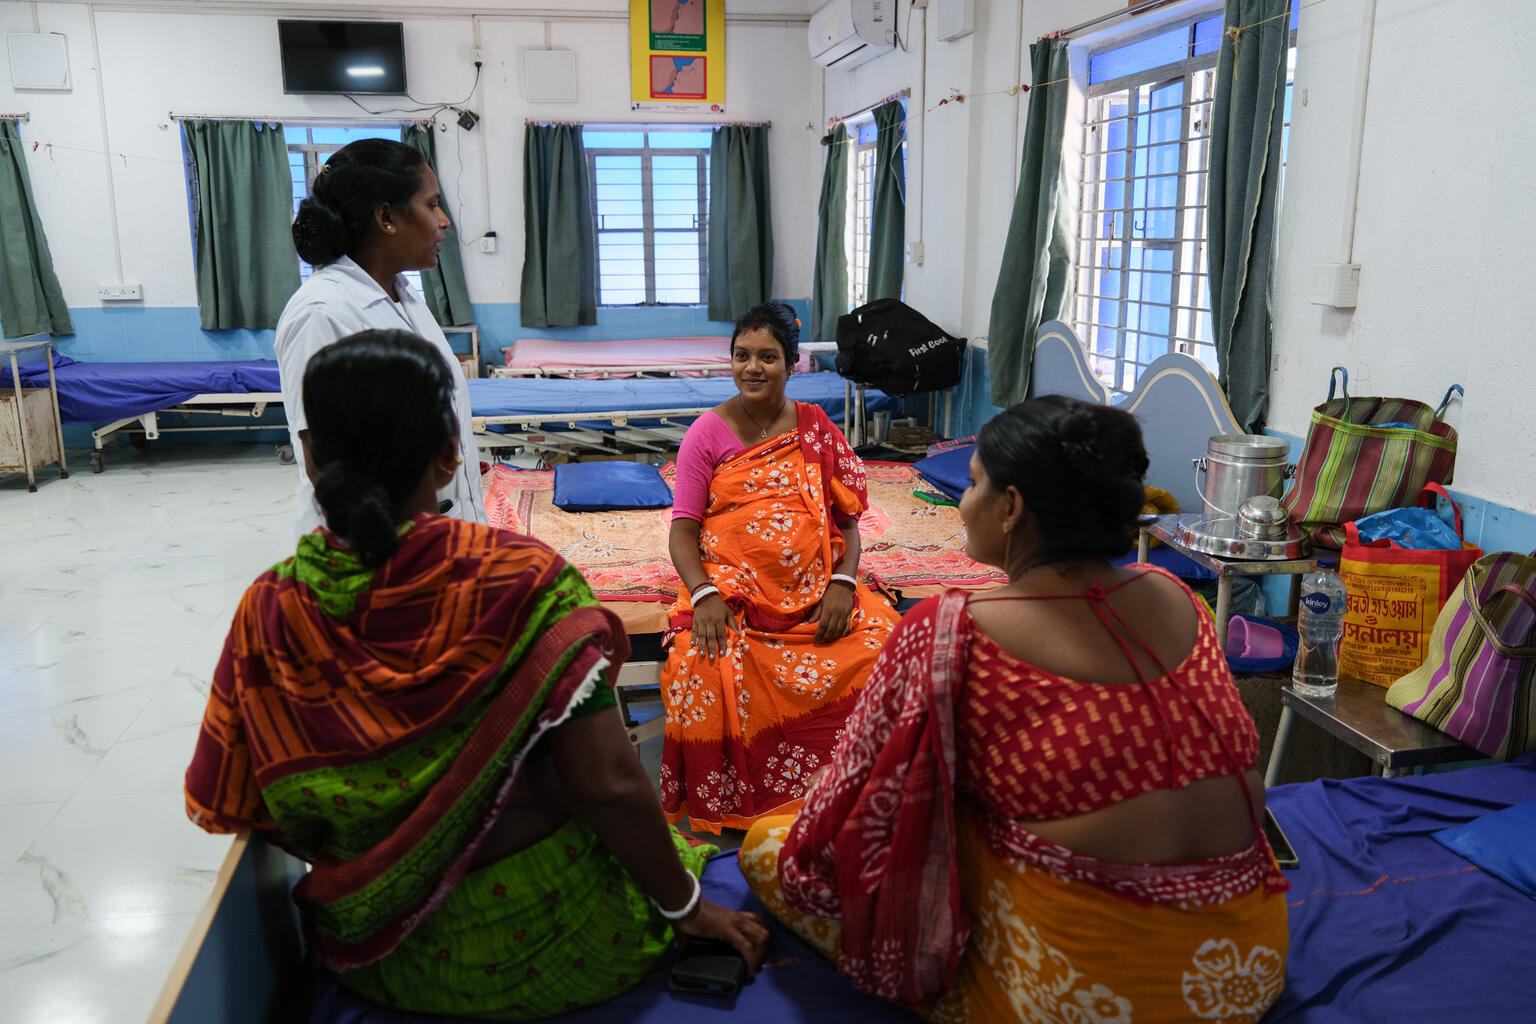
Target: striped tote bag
x=1479, y=682
x=1366, y=455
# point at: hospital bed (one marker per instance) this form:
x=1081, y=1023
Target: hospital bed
x=1386, y=924
x=647, y=357
x=131, y=397
x=568, y=416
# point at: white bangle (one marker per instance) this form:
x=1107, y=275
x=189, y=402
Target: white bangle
x=842, y=577
x=688, y=908
x=703, y=591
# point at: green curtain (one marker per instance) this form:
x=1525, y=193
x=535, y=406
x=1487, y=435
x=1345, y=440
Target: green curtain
x=30, y=297
x=1033, y=284
x=559, y=240
x=1247, y=114
x=740, y=226
x=246, y=266
x=888, y=206
x=446, y=293
x=829, y=289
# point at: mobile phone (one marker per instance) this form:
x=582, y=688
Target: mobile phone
x=708, y=967
x=934, y=498
x=1285, y=854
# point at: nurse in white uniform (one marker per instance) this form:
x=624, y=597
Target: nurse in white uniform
x=372, y=214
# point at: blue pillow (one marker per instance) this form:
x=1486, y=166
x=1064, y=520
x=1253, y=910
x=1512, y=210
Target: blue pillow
x=1500, y=843
x=601, y=486
x=949, y=471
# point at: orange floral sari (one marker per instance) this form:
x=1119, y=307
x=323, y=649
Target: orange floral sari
x=745, y=731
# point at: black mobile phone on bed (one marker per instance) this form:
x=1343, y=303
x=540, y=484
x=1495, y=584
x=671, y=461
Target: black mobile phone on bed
x=708, y=967
x=1285, y=854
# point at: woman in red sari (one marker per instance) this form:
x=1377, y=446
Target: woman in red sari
x=1045, y=806
x=772, y=635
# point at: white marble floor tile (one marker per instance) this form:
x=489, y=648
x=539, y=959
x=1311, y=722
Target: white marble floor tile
x=105, y=542
x=150, y=758
x=20, y=618
x=20, y=824
x=45, y=758
x=134, y=856
x=118, y=622
x=58, y=581
x=76, y=677
x=90, y=972
x=187, y=686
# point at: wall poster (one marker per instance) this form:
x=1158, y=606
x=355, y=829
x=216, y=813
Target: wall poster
x=677, y=55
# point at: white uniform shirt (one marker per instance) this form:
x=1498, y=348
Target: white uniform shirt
x=341, y=299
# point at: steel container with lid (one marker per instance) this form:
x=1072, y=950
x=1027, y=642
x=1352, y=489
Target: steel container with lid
x=1262, y=517
x=1241, y=466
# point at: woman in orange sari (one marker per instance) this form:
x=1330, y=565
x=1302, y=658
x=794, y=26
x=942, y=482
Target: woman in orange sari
x=1044, y=807
x=772, y=635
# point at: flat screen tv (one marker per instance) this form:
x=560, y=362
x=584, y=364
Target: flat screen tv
x=342, y=57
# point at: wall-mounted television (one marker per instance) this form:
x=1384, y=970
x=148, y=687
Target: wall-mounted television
x=342, y=56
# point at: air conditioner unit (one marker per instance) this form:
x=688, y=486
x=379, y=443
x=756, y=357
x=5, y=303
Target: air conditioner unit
x=847, y=33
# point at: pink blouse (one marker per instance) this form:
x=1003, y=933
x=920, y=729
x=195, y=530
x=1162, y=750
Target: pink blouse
x=707, y=444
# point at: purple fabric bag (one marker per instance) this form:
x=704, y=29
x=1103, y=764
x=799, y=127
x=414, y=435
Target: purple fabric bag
x=1478, y=683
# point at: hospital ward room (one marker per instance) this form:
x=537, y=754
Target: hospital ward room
x=769, y=510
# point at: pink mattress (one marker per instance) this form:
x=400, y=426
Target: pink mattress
x=710, y=355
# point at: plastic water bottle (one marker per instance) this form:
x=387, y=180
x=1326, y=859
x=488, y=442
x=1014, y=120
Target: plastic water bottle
x=1320, y=621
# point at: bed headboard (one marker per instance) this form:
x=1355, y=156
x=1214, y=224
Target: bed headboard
x=1179, y=404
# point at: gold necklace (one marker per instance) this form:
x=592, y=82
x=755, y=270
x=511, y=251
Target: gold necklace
x=762, y=431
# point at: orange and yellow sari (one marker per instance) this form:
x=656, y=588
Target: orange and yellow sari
x=745, y=731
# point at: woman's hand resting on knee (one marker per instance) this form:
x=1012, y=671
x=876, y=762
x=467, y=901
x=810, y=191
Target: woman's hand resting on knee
x=712, y=623
x=742, y=929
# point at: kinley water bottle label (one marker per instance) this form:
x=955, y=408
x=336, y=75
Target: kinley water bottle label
x=1317, y=604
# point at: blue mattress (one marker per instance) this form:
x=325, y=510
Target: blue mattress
x=1387, y=924
x=550, y=396
x=101, y=392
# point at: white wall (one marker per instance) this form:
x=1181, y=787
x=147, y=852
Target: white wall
x=1445, y=215
x=154, y=62
x=1444, y=229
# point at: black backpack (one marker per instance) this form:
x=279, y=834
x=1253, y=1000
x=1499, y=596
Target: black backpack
x=887, y=344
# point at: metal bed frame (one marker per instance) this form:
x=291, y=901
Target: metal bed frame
x=238, y=405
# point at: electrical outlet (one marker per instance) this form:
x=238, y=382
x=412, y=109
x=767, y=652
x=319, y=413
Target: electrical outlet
x=488, y=242
x=478, y=55
x=120, y=292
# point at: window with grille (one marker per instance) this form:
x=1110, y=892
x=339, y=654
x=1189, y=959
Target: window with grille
x=858, y=226
x=860, y=206
x=650, y=206
x=310, y=146
x=1142, y=288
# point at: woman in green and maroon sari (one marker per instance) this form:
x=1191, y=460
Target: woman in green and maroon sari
x=419, y=706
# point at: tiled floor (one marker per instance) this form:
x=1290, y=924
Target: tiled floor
x=116, y=591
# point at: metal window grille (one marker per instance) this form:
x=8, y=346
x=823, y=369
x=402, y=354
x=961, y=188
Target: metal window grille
x=1142, y=288
x=650, y=208
x=861, y=208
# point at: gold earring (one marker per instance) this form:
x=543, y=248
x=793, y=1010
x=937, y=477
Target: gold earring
x=458, y=460
x=1007, y=544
